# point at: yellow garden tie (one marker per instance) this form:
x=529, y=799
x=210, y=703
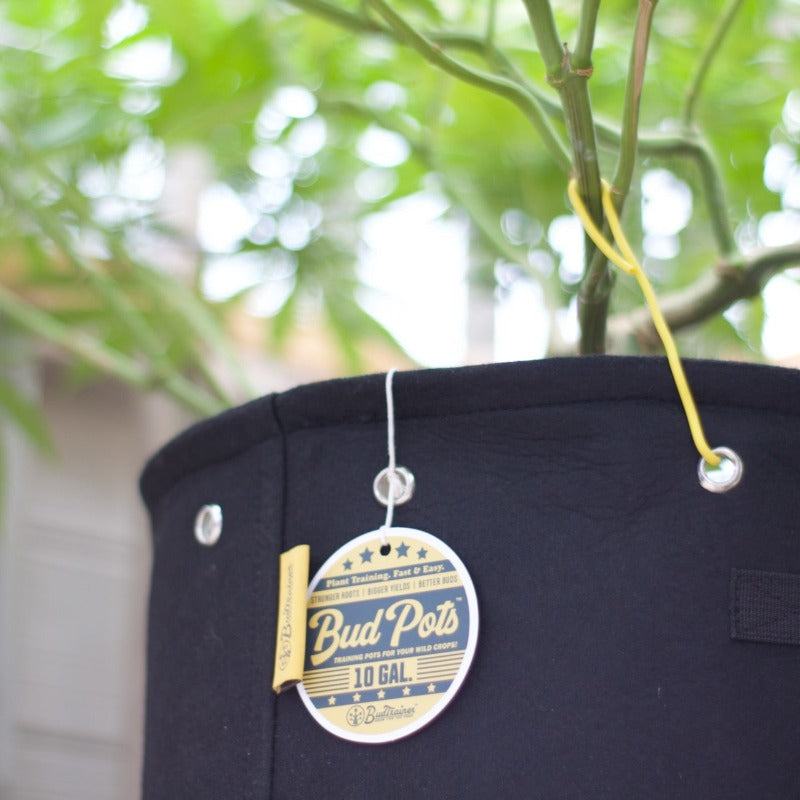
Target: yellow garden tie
x=626, y=260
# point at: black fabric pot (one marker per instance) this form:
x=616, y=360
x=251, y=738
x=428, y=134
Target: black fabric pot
x=611, y=585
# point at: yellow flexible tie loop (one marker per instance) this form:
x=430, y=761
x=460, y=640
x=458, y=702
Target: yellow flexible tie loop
x=627, y=261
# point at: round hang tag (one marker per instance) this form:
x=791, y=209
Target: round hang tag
x=391, y=633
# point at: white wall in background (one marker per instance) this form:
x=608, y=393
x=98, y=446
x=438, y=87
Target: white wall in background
x=74, y=570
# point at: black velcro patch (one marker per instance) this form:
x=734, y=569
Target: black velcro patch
x=765, y=606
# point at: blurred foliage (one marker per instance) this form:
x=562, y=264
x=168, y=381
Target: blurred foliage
x=314, y=119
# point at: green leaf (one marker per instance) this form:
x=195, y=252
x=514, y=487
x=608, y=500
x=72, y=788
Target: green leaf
x=2, y=485
x=25, y=414
x=428, y=9
x=284, y=320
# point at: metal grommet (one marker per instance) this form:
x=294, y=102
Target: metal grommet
x=400, y=483
x=208, y=525
x=723, y=477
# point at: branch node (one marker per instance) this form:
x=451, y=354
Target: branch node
x=567, y=71
x=727, y=270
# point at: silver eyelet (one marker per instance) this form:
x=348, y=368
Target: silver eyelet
x=208, y=525
x=724, y=477
x=400, y=483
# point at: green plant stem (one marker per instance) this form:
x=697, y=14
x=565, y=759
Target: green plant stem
x=697, y=148
x=108, y=361
x=358, y=23
x=500, y=62
x=509, y=84
x=596, y=287
x=547, y=39
x=481, y=45
x=709, y=54
x=499, y=85
x=582, y=57
x=633, y=94
x=491, y=23
x=715, y=291
x=595, y=291
x=571, y=78
x=571, y=82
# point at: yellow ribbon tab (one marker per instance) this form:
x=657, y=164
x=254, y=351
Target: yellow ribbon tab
x=290, y=638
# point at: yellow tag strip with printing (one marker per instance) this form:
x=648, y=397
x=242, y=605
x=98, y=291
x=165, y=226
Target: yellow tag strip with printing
x=290, y=638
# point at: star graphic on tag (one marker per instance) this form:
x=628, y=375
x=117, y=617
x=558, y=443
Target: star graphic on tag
x=331, y=701
x=348, y=565
x=402, y=550
x=431, y=687
x=381, y=694
x=366, y=555
x=422, y=553
x=406, y=690
x=356, y=698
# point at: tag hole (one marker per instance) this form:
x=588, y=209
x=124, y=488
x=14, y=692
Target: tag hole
x=386, y=549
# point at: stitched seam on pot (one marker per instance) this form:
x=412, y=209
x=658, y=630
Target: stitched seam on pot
x=530, y=407
x=284, y=499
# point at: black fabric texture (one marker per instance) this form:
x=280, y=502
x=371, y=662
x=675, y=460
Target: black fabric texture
x=765, y=606
x=605, y=666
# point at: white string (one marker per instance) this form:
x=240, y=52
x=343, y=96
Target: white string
x=392, y=473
